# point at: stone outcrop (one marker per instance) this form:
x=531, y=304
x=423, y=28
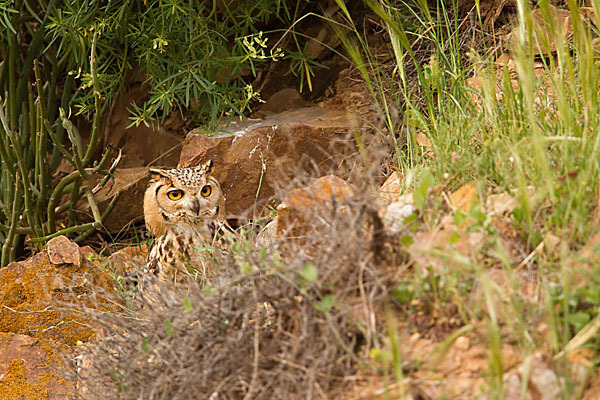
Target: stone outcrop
x=253, y=159
x=128, y=260
x=37, y=325
x=25, y=372
x=297, y=215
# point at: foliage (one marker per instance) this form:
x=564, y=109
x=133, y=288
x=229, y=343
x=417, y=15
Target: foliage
x=530, y=129
x=30, y=132
x=191, y=55
x=288, y=325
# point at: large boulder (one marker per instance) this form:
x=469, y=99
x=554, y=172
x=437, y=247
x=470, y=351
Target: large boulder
x=26, y=371
x=38, y=325
x=255, y=158
x=304, y=210
x=31, y=292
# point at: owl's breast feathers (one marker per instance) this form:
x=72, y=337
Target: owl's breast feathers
x=179, y=250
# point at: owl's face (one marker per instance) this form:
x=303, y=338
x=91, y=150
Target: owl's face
x=182, y=196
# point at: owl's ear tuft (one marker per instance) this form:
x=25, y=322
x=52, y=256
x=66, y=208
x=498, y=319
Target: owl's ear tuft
x=207, y=167
x=160, y=175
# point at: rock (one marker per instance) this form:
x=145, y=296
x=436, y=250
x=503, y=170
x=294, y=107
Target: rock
x=143, y=145
x=62, y=251
x=285, y=99
x=37, y=326
x=26, y=370
x=128, y=259
x=593, y=390
x=323, y=39
x=394, y=215
x=542, y=378
x=33, y=293
x=394, y=207
x=494, y=81
x=131, y=182
x=268, y=235
x=543, y=40
x=513, y=387
x=423, y=141
x=462, y=343
x=504, y=203
x=391, y=188
x=464, y=197
x=297, y=214
x=543, y=383
x=498, y=286
x=317, y=218
x=580, y=365
x=253, y=159
x=431, y=246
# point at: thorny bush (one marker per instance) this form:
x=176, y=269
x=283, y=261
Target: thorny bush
x=289, y=319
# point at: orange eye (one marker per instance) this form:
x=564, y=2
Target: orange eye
x=175, y=194
x=206, y=191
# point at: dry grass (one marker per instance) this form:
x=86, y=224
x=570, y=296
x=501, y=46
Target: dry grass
x=291, y=320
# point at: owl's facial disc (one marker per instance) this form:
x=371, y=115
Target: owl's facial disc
x=185, y=203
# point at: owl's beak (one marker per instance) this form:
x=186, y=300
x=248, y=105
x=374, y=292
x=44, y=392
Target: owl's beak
x=196, y=206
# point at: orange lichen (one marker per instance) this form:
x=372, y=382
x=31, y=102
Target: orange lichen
x=31, y=294
x=34, y=300
x=16, y=386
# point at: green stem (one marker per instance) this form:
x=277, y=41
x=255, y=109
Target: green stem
x=110, y=171
x=55, y=196
x=34, y=52
x=30, y=121
x=51, y=106
x=57, y=143
x=75, y=139
x=7, y=162
x=92, y=203
x=19, y=230
x=66, y=231
x=105, y=214
x=97, y=97
x=75, y=194
x=12, y=82
x=16, y=143
x=64, y=104
x=8, y=247
x=103, y=160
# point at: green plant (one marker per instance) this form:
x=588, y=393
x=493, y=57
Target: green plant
x=191, y=56
x=30, y=202
x=529, y=129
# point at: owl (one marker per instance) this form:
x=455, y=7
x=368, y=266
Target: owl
x=183, y=209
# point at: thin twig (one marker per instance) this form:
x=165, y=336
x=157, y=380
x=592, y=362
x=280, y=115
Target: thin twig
x=251, y=389
x=108, y=175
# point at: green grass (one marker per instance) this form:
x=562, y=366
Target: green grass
x=539, y=135
x=530, y=282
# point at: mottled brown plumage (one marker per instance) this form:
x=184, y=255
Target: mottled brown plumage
x=183, y=208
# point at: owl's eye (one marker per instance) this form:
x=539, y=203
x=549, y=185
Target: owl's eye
x=206, y=191
x=175, y=194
